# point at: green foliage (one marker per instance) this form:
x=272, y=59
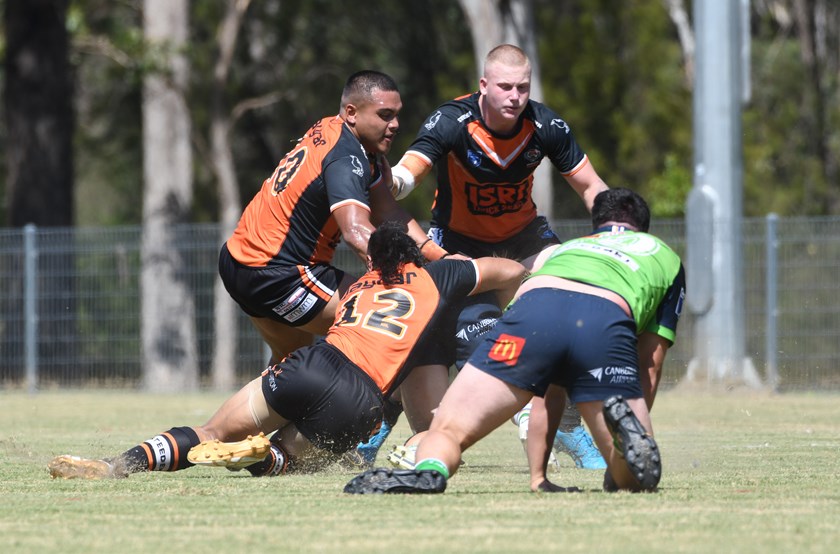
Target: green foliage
x=614, y=70
x=107, y=54
x=668, y=190
x=781, y=170
x=302, y=51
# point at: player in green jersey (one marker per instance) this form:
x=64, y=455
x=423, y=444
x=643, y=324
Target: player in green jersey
x=596, y=320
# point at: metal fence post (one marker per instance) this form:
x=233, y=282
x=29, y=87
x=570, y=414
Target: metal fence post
x=30, y=305
x=772, y=275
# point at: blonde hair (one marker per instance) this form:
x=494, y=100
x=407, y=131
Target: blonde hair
x=506, y=54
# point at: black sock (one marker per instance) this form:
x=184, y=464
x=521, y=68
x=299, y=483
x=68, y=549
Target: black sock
x=164, y=452
x=276, y=463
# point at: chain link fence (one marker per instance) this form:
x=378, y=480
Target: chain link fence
x=70, y=304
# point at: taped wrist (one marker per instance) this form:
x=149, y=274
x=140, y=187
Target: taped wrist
x=402, y=182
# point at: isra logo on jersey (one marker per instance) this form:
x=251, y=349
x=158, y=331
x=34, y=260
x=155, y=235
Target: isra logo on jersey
x=496, y=199
x=507, y=349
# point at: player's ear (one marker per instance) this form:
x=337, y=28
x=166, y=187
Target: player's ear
x=350, y=112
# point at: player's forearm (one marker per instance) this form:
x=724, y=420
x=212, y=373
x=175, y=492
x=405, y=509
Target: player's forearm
x=356, y=236
x=652, y=349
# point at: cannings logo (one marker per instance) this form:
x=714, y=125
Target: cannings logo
x=615, y=374
x=507, y=349
x=638, y=244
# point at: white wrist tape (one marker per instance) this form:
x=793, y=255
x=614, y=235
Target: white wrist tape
x=403, y=182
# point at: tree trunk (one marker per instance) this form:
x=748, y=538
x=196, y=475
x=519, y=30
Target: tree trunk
x=493, y=22
x=679, y=17
x=39, y=114
x=225, y=310
x=806, y=19
x=38, y=101
x=168, y=313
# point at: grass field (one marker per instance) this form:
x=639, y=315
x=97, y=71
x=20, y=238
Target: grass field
x=742, y=473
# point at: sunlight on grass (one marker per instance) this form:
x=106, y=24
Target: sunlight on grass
x=742, y=473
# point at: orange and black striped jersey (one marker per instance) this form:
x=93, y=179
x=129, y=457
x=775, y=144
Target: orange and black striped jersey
x=289, y=221
x=381, y=327
x=484, y=180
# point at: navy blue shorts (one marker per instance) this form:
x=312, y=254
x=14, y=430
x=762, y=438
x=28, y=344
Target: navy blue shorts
x=332, y=402
x=478, y=314
x=477, y=317
x=584, y=343
x=293, y=295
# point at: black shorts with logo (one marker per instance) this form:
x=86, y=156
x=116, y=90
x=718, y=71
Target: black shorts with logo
x=293, y=295
x=331, y=401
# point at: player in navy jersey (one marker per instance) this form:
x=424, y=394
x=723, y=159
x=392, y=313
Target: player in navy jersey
x=484, y=148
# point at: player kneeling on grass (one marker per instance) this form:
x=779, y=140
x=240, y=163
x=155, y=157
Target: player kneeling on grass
x=603, y=311
x=323, y=399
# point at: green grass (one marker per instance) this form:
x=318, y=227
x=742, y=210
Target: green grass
x=742, y=473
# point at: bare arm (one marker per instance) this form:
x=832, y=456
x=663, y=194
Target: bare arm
x=652, y=350
x=384, y=207
x=355, y=225
x=587, y=184
x=500, y=274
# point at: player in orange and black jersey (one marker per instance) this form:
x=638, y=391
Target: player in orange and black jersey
x=276, y=265
x=485, y=148
x=324, y=398
x=484, y=179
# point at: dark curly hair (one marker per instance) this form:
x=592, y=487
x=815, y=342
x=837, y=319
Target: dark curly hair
x=390, y=248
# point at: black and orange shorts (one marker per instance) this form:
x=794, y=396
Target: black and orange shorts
x=292, y=295
x=331, y=401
